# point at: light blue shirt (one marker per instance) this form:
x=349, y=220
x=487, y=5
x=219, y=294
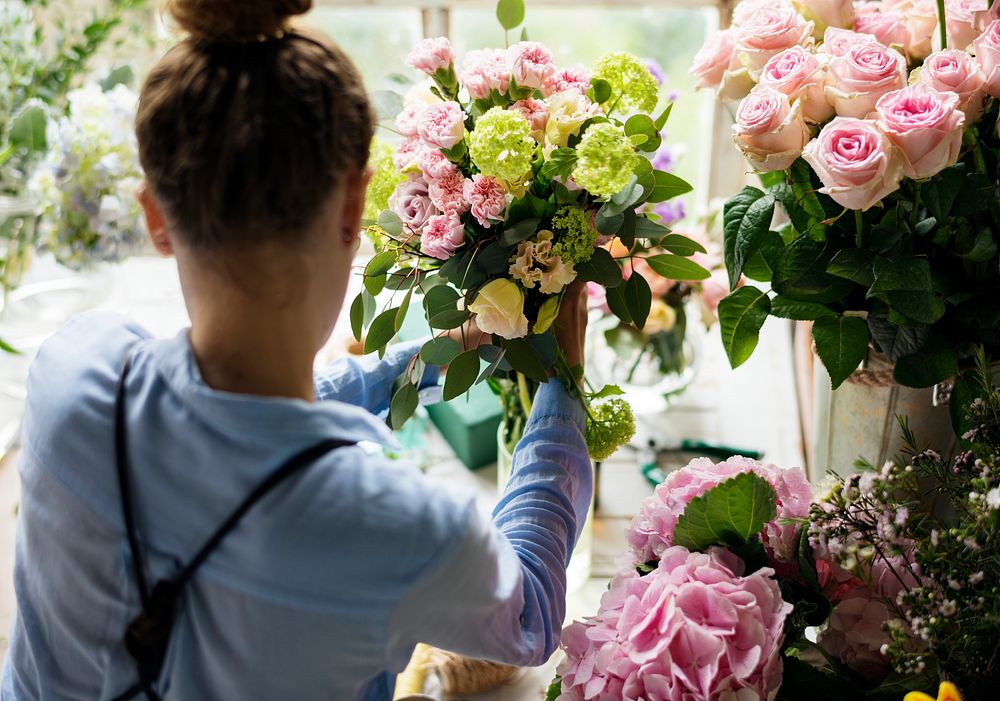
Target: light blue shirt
x=327, y=584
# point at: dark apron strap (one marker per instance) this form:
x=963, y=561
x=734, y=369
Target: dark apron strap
x=148, y=635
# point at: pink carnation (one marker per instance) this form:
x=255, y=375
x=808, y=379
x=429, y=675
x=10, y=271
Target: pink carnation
x=442, y=236
x=442, y=125
x=434, y=164
x=447, y=193
x=574, y=78
x=531, y=64
x=432, y=55
x=537, y=115
x=408, y=153
x=694, y=628
x=485, y=70
x=487, y=199
x=408, y=120
x=652, y=531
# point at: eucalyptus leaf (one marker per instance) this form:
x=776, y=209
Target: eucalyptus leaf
x=461, y=375
x=523, y=358
x=382, y=330
x=440, y=351
x=404, y=309
x=510, y=13
x=357, y=317
x=403, y=405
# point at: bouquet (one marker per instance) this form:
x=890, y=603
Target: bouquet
x=883, y=153
x=88, y=180
x=512, y=175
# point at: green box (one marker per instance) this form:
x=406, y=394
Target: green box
x=468, y=423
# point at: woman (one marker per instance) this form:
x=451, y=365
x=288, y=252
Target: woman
x=254, y=139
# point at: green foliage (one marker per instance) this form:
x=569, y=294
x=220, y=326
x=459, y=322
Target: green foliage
x=462, y=374
x=731, y=514
x=510, y=13
x=841, y=343
x=741, y=316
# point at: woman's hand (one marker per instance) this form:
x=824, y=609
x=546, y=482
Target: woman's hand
x=571, y=324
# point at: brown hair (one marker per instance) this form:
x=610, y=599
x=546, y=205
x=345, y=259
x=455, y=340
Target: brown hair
x=246, y=127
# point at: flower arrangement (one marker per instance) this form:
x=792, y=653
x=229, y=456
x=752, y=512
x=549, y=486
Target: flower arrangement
x=88, y=180
x=874, y=126
x=512, y=174
x=742, y=585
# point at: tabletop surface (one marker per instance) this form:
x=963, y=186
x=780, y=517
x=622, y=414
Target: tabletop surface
x=752, y=407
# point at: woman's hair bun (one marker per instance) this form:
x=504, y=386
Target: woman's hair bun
x=235, y=21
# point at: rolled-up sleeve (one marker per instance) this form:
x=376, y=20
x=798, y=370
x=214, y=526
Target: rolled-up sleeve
x=499, y=590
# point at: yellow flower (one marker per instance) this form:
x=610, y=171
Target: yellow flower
x=662, y=317
x=499, y=309
x=947, y=692
x=567, y=112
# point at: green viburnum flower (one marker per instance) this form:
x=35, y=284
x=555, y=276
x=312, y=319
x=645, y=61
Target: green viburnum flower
x=384, y=180
x=501, y=146
x=605, y=160
x=577, y=235
x=630, y=80
x=612, y=425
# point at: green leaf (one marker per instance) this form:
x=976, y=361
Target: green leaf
x=381, y=263
x=854, y=264
x=358, y=317
x=390, y=223
x=841, y=343
x=387, y=104
x=600, y=91
x=547, y=314
x=638, y=299
x=439, y=299
x=802, y=187
x=764, y=261
x=741, y=316
x=461, y=375
x=382, y=330
x=495, y=357
x=746, y=220
x=440, y=351
x=643, y=125
x=800, y=680
x=801, y=273
x=523, y=358
x=935, y=362
x=7, y=348
x=785, y=308
x=510, y=13
x=609, y=222
x=677, y=268
x=647, y=229
x=554, y=690
x=667, y=186
x=449, y=320
x=729, y=514
x=601, y=268
x=403, y=405
x=122, y=75
x=680, y=245
x=627, y=233
x=404, y=309
x=523, y=230
x=27, y=129
x=940, y=193
x=617, y=305
x=905, y=284
x=894, y=340
x=661, y=121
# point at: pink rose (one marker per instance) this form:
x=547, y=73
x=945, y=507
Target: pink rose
x=983, y=19
x=484, y=71
x=487, y=200
x=531, y=64
x=714, y=290
x=768, y=32
x=447, y=193
x=925, y=126
x=442, y=125
x=714, y=58
x=769, y=130
x=962, y=18
x=574, y=78
x=408, y=120
x=854, y=635
x=799, y=74
x=856, y=162
x=435, y=165
x=432, y=55
x=537, y=114
x=856, y=80
x=988, y=57
x=920, y=20
x=827, y=13
x=887, y=26
x=412, y=203
x=442, y=236
x=958, y=72
x=746, y=9
x=407, y=155
x=837, y=42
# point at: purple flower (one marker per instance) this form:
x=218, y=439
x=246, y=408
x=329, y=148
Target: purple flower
x=657, y=70
x=670, y=212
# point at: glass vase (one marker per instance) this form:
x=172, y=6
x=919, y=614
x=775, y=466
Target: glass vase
x=18, y=231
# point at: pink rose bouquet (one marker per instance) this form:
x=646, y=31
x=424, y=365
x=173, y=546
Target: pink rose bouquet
x=878, y=134
x=511, y=173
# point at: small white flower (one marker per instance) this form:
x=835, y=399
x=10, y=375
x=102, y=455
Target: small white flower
x=993, y=498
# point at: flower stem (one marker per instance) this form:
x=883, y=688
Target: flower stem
x=916, y=203
x=858, y=227
x=524, y=394
x=942, y=24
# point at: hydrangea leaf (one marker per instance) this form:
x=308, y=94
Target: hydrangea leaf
x=730, y=514
x=841, y=343
x=741, y=316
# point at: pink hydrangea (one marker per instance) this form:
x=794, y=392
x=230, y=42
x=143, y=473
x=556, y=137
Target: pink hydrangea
x=448, y=193
x=432, y=55
x=485, y=70
x=651, y=531
x=442, y=236
x=537, y=114
x=854, y=634
x=694, y=629
x=573, y=78
x=442, y=125
x=531, y=64
x=434, y=164
x=487, y=199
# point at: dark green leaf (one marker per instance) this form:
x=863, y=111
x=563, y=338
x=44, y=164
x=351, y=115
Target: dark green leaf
x=440, y=351
x=495, y=361
x=894, y=340
x=494, y=259
x=802, y=311
x=440, y=299
x=800, y=680
x=939, y=195
x=801, y=273
x=935, y=362
x=729, y=514
x=854, y=264
x=403, y=405
x=741, y=315
x=382, y=330
x=404, y=279
x=608, y=222
x=523, y=358
x=905, y=284
x=601, y=268
x=802, y=187
x=404, y=309
x=744, y=230
x=733, y=213
x=761, y=265
x=667, y=186
x=617, y=305
x=680, y=245
x=647, y=229
x=638, y=299
x=627, y=233
x=449, y=319
x=523, y=230
x=841, y=343
x=381, y=263
x=461, y=375
x=358, y=317
x=677, y=268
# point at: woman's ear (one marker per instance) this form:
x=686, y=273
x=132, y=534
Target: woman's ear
x=354, y=206
x=156, y=223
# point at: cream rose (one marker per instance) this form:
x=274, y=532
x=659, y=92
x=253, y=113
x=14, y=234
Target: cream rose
x=662, y=318
x=988, y=57
x=800, y=75
x=827, y=13
x=568, y=111
x=768, y=32
x=856, y=80
x=856, y=162
x=769, y=130
x=499, y=309
x=958, y=72
x=925, y=126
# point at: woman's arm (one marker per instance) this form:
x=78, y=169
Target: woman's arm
x=367, y=381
